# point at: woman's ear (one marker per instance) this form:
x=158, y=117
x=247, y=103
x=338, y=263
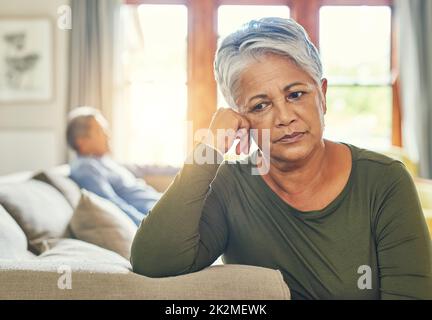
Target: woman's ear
x=324, y=94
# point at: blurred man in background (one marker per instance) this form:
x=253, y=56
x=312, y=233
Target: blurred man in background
x=94, y=169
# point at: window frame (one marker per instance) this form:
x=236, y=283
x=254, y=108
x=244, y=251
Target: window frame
x=202, y=42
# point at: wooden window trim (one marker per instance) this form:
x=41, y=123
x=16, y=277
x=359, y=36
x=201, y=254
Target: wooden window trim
x=138, y=2
x=202, y=41
x=356, y=2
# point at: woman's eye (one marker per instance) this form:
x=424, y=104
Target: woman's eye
x=259, y=107
x=295, y=95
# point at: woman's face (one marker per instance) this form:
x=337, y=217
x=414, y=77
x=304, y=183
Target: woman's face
x=278, y=95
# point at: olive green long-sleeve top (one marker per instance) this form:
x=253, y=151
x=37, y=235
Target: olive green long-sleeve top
x=371, y=242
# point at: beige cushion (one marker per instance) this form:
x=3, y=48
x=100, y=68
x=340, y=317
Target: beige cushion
x=64, y=185
x=99, y=221
x=39, y=209
x=13, y=242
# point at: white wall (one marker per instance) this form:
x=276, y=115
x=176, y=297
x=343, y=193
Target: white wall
x=32, y=135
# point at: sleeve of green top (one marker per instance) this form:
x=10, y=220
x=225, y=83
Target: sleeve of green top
x=402, y=238
x=186, y=230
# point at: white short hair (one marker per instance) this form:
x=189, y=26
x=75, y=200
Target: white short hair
x=279, y=36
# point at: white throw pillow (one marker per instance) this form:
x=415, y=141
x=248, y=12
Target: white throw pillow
x=99, y=221
x=13, y=242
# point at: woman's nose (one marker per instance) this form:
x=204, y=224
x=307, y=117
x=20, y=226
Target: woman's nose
x=284, y=114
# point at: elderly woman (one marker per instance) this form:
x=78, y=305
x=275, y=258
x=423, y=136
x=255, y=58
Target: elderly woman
x=340, y=222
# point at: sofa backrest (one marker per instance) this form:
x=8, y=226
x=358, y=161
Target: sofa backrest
x=16, y=177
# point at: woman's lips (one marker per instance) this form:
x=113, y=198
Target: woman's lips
x=296, y=136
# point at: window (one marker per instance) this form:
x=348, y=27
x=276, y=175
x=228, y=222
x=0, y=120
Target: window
x=231, y=17
x=155, y=91
x=356, y=60
x=171, y=69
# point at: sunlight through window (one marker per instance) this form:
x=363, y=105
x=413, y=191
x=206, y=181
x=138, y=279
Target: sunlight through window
x=355, y=44
x=154, y=62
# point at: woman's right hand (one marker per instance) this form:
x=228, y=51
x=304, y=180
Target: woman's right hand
x=226, y=126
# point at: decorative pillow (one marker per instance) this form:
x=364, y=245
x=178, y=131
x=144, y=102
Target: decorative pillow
x=13, y=242
x=39, y=209
x=99, y=221
x=69, y=189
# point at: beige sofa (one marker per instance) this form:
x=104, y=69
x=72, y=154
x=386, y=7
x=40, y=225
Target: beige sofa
x=42, y=258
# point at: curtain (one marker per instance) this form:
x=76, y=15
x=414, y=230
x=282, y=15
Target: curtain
x=415, y=56
x=93, y=54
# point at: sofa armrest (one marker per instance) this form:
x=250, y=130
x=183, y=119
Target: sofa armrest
x=221, y=282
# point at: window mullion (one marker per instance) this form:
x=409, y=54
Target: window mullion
x=307, y=14
x=201, y=49
x=396, y=105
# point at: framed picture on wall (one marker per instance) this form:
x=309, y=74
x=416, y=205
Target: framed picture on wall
x=26, y=60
